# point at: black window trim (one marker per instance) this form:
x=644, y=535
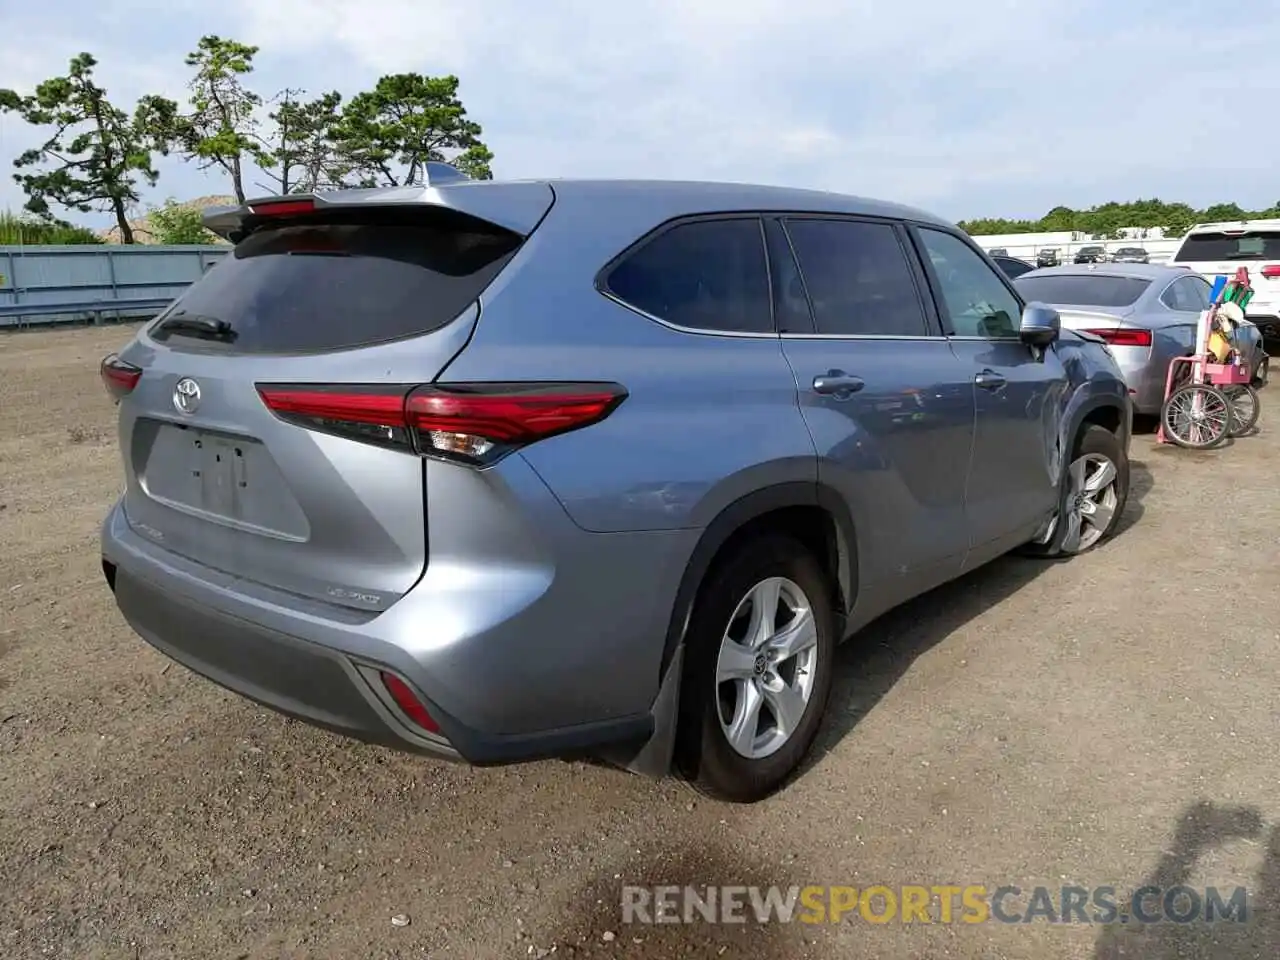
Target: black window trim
x=932, y=324
x=601, y=281
x=935, y=285
x=773, y=223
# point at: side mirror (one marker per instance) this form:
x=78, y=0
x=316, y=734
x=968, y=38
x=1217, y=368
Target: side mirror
x=1041, y=325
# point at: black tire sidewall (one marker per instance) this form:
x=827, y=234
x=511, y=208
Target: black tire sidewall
x=703, y=753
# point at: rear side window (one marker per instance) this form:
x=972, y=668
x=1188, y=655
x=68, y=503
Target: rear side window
x=703, y=275
x=1249, y=245
x=1012, y=268
x=1189, y=295
x=1091, y=290
x=858, y=278
x=350, y=280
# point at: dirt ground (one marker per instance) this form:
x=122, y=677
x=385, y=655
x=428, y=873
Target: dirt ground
x=1106, y=721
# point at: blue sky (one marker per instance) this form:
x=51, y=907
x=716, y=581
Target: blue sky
x=970, y=108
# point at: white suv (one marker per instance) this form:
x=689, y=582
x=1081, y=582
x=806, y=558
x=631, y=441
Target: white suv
x=1218, y=249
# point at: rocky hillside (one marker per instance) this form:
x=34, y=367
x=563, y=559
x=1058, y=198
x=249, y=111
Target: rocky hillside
x=142, y=231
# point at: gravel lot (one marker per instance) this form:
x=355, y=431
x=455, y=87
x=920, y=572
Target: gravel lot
x=1111, y=720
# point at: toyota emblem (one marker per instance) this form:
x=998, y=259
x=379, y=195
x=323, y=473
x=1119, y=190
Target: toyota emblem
x=186, y=396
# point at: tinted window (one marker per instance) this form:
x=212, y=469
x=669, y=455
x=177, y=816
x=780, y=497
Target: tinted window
x=705, y=275
x=1011, y=267
x=343, y=282
x=1085, y=289
x=858, y=278
x=1188, y=294
x=977, y=300
x=1250, y=245
x=1202, y=289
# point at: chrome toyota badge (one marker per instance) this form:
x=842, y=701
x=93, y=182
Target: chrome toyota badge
x=186, y=396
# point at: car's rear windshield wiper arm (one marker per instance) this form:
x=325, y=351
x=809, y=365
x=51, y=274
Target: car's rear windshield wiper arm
x=213, y=328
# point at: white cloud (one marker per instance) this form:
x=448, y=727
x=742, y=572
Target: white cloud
x=987, y=107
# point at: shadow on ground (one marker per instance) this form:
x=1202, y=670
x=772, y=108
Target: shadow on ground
x=1203, y=828
x=596, y=910
x=869, y=665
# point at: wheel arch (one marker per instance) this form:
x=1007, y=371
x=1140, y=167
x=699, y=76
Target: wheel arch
x=813, y=512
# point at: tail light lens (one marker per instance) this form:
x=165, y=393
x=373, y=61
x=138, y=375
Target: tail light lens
x=408, y=702
x=118, y=376
x=468, y=423
x=1271, y=271
x=1124, y=337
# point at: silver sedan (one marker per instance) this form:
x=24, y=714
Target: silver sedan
x=1146, y=313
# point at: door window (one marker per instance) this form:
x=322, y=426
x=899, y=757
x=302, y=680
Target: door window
x=977, y=300
x=858, y=278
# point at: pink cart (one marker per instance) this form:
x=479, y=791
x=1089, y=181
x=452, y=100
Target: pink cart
x=1209, y=395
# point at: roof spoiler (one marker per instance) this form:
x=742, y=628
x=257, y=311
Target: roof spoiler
x=518, y=206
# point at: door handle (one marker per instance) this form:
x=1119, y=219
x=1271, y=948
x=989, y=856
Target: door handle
x=990, y=380
x=838, y=384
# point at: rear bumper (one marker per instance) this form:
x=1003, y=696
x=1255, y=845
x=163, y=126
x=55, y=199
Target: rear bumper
x=324, y=671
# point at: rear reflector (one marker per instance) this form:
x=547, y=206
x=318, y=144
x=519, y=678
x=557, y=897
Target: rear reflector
x=1271, y=271
x=282, y=208
x=1124, y=337
x=408, y=702
x=471, y=423
x=118, y=376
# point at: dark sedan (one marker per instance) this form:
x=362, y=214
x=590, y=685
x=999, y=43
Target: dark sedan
x=1131, y=255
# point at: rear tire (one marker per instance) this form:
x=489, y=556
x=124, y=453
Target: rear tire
x=749, y=709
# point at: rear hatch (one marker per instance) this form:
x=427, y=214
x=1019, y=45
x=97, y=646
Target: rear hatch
x=1220, y=253
x=341, y=294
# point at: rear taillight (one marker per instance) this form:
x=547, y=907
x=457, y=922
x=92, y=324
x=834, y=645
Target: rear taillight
x=1271, y=271
x=408, y=701
x=118, y=376
x=471, y=423
x=1124, y=337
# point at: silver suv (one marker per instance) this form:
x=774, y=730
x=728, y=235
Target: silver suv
x=499, y=471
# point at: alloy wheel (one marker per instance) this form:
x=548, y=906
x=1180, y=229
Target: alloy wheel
x=766, y=667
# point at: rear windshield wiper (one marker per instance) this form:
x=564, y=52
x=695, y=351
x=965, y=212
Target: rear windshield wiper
x=211, y=328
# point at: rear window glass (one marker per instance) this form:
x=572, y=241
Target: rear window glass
x=351, y=280
x=1085, y=290
x=1250, y=245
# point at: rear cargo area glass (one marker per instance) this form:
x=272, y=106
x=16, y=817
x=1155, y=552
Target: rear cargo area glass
x=1250, y=245
x=1091, y=290
x=338, y=281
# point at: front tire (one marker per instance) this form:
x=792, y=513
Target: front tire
x=760, y=650
x=1097, y=482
